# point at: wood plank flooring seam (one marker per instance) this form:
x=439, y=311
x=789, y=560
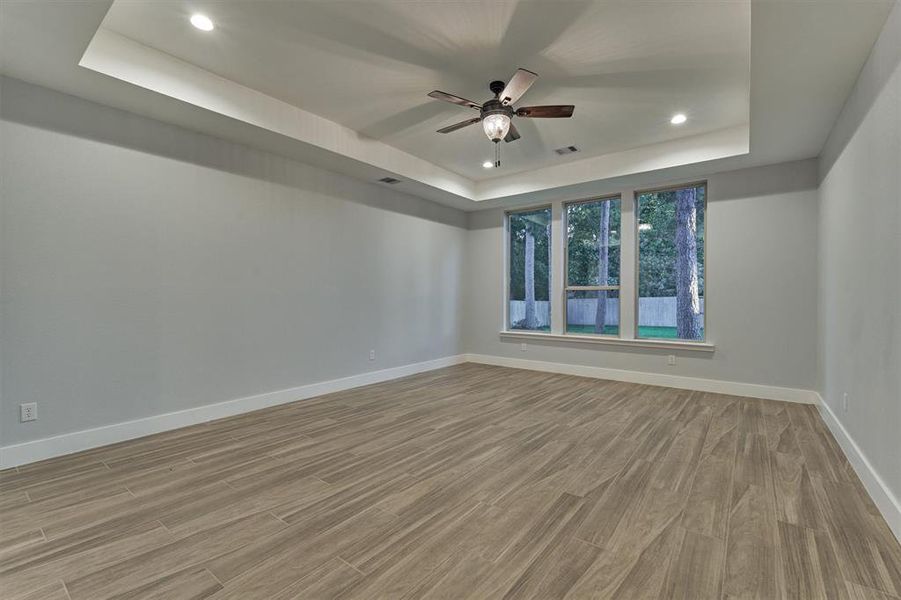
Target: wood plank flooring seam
x=472, y=481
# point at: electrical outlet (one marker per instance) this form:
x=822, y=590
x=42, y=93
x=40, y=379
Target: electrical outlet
x=522, y=347
x=372, y=355
x=671, y=359
x=28, y=412
x=845, y=401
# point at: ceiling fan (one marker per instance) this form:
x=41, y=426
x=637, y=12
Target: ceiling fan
x=497, y=114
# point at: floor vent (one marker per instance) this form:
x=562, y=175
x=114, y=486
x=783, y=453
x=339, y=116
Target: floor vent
x=566, y=150
x=389, y=180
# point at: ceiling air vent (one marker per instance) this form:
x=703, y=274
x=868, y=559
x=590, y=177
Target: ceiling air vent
x=566, y=150
x=389, y=180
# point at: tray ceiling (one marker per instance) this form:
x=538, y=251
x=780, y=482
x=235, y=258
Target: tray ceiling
x=628, y=67
x=342, y=85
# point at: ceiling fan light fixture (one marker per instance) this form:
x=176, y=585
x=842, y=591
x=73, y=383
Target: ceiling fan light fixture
x=487, y=164
x=496, y=114
x=496, y=126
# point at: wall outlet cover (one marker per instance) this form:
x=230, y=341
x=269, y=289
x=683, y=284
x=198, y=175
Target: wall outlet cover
x=28, y=412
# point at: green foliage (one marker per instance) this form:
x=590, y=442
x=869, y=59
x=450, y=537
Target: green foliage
x=582, y=232
x=538, y=222
x=657, y=245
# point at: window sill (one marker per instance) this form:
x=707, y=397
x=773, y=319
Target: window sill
x=608, y=341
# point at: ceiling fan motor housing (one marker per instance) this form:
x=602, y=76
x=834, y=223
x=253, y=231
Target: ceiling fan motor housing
x=494, y=107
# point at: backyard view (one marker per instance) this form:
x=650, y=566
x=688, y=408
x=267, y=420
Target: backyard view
x=670, y=266
x=530, y=273
x=592, y=267
x=671, y=263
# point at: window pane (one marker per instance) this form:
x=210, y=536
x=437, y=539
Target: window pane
x=587, y=310
x=592, y=243
x=530, y=270
x=671, y=263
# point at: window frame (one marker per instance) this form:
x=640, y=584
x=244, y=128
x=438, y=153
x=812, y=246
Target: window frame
x=637, y=278
x=589, y=288
x=507, y=253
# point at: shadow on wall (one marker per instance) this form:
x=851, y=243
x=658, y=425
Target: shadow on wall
x=737, y=184
x=867, y=89
x=40, y=107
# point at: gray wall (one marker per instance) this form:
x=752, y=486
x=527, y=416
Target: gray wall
x=760, y=286
x=860, y=260
x=147, y=269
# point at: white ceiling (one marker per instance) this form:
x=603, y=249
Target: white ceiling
x=251, y=81
x=369, y=65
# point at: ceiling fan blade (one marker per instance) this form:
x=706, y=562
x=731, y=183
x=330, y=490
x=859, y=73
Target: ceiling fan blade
x=459, y=125
x=437, y=95
x=557, y=111
x=512, y=134
x=521, y=81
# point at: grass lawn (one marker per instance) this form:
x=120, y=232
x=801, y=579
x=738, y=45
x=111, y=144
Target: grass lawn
x=608, y=329
x=665, y=333
x=657, y=332
x=643, y=331
x=545, y=329
x=660, y=332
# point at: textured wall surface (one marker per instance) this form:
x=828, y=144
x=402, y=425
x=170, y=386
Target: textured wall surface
x=860, y=260
x=147, y=269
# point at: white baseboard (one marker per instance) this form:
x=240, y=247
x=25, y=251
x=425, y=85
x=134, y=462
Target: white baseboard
x=882, y=496
x=735, y=388
x=28, y=452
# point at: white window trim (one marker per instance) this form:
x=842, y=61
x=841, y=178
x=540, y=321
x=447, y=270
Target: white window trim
x=607, y=340
x=552, y=250
x=628, y=296
x=586, y=288
x=635, y=284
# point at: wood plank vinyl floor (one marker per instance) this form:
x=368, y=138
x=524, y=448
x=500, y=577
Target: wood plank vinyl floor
x=466, y=482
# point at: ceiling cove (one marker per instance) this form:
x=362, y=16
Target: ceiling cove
x=661, y=89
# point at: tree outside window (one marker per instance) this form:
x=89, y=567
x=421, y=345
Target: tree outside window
x=671, y=263
x=529, y=269
x=592, y=266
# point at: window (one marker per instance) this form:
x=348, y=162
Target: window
x=666, y=290
x=529, y=251
x=671, y=263
x=592, y=267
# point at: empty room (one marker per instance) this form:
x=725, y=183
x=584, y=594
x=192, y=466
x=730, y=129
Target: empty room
x=460, y=299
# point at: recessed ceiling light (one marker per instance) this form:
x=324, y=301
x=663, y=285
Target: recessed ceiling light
x=487, y=164
x=201, y=22
x=678, y=119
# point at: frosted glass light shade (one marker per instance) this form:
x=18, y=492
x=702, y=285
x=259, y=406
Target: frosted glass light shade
x=496, y=126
